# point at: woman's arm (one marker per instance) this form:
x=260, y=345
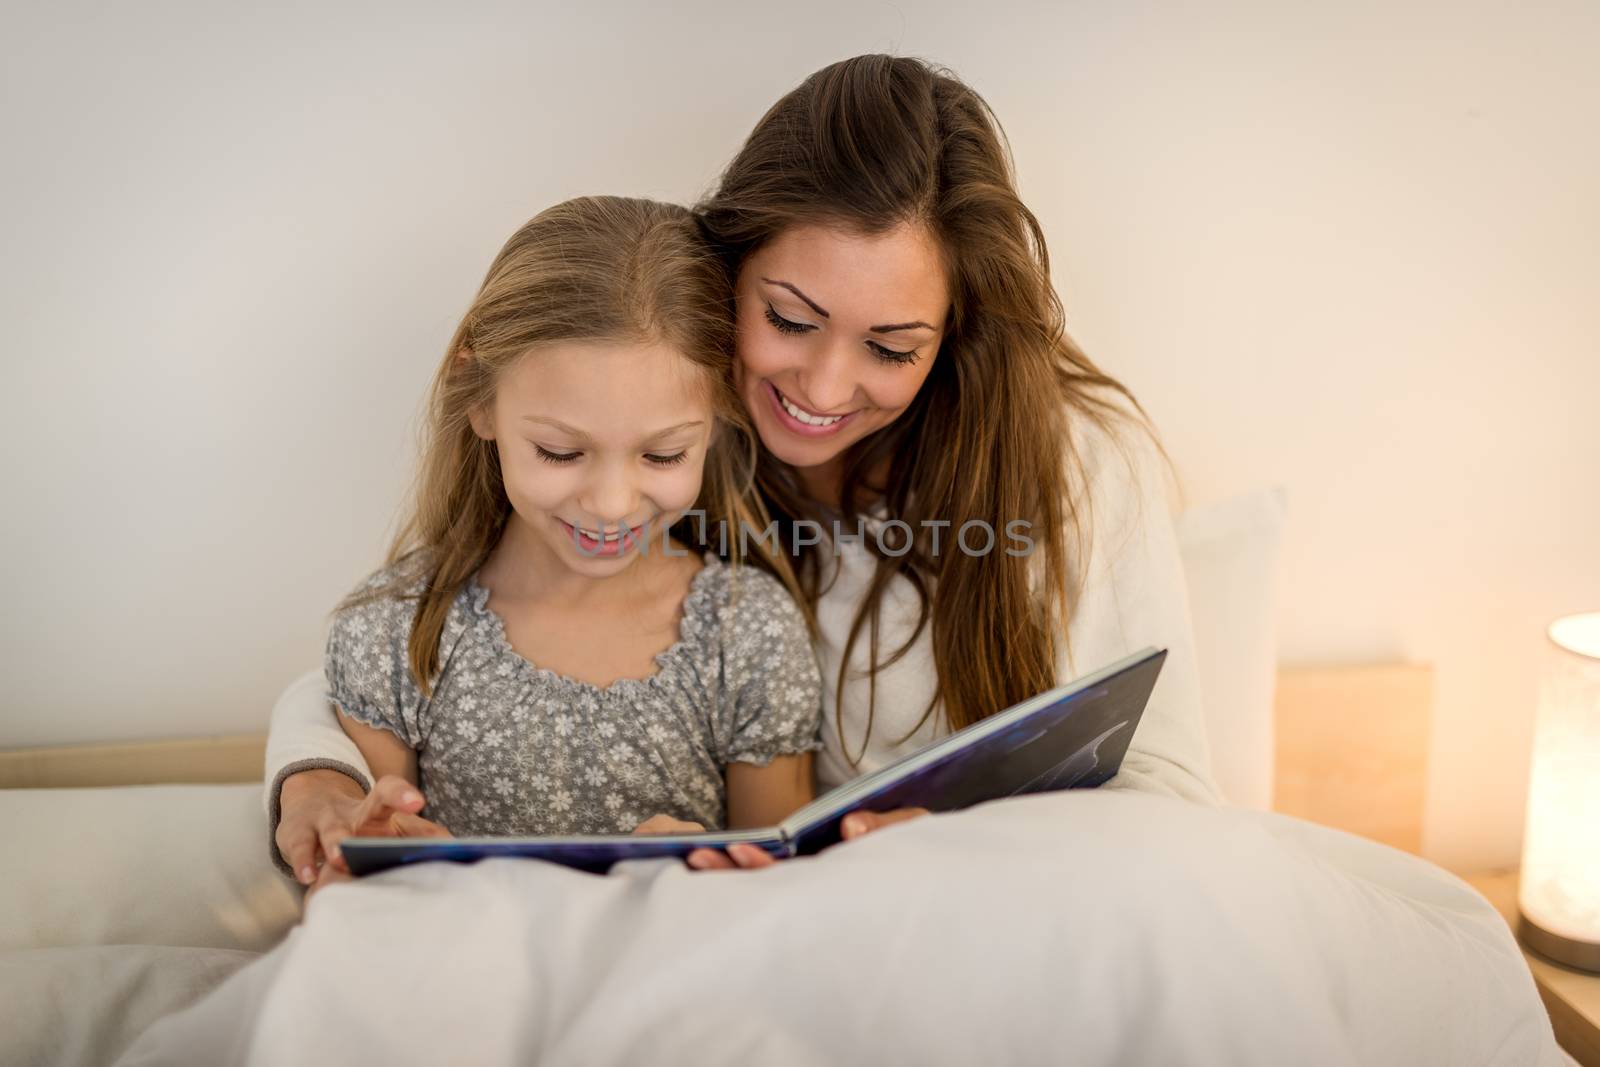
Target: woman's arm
x=321, y=789
x=1135, y=594
x=304, y=735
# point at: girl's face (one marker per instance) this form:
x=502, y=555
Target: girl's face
x=836, y=333
x=602, y=446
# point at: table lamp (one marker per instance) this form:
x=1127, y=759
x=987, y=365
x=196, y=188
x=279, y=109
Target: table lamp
x=1559, y=898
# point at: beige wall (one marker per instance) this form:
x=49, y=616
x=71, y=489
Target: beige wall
x=1354, y=249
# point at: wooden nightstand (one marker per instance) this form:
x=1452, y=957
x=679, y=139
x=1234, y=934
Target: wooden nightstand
x=1571, y=997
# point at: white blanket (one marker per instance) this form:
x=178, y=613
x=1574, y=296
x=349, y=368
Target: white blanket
x=1090, y=927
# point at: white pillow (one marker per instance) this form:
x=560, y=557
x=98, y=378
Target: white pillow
x=184, y=865
x=86, y=1004
x=1230, y=553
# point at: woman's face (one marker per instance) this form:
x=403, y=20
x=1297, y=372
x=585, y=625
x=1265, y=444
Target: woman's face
x=836, y=333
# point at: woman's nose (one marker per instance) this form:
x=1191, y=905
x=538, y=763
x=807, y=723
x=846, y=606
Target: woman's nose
x=830, y=379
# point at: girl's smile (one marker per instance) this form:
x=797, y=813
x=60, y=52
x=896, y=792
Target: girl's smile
x=612, y=541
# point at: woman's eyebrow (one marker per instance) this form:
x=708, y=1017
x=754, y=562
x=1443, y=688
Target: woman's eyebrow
x=894, y=327
x=810, y=303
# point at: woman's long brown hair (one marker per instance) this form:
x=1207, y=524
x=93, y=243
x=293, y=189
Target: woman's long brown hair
x=599, y=268
x=869, y=144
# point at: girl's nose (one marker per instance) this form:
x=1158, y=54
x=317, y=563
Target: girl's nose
x=612, y=498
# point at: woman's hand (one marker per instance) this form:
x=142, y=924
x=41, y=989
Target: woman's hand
x=854, y=825
x=666, y=824
x=320, y=808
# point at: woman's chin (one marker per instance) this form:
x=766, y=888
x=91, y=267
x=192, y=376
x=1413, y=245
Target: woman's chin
x=802, y=451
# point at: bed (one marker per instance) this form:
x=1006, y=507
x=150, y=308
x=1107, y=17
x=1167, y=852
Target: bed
x=1098, y=927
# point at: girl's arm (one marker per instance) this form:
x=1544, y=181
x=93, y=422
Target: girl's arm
x=384, y=753
x=765, y=796
x=757, y=796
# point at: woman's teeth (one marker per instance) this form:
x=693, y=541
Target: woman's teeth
x=806, y=417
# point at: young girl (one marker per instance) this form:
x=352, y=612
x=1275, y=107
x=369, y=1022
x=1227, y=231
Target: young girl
x=537, y=652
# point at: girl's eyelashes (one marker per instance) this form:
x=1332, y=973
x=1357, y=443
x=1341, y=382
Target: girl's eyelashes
x=888, y=355
x=555, y=457
x=783, y=325
x=656, y=458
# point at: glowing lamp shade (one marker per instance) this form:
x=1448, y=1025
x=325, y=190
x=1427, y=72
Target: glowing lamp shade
x=1560, y=894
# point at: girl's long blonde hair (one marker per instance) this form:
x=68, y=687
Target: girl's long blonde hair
x=870, y=143
x=597, y=268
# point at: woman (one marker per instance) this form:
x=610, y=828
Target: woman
x=903, y=358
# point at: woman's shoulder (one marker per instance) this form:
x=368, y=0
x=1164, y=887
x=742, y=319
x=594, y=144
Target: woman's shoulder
x=1114, y=458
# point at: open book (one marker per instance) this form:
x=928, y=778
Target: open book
x=1071, y=737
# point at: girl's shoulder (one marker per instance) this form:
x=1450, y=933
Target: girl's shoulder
x=741, y=605
x=378, y=613
x=391, y=590
x=366, y=662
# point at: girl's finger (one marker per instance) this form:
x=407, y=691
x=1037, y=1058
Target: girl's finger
x=750, y=857
x=417, y=826
x=395, y=794
x=389, y=796
x=709, y=859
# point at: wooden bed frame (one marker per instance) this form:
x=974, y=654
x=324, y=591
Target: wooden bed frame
x=1352, y=745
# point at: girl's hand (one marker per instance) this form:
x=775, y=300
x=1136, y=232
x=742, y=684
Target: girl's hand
x=321, y=808
x=749, y=857
x=666, y=824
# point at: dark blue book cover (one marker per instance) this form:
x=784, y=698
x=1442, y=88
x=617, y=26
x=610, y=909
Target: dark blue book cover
x=1072, y=737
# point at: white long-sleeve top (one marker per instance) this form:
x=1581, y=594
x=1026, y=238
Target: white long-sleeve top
x=1133, y=595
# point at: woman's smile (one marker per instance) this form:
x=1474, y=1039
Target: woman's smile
x=797, y=418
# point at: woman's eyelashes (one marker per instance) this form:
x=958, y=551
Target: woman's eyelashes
x=783, y=325
x=888, y=355
x=657, y=458
x=892, y=355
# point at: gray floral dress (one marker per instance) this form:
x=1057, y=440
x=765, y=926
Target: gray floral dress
x=507, y=747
